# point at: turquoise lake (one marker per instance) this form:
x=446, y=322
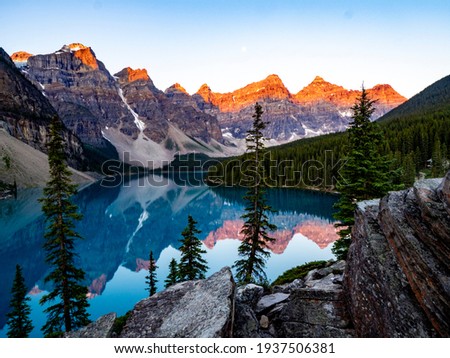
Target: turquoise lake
x=123, y=222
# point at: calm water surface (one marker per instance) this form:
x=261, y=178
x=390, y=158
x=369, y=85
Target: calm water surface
x=121, y=224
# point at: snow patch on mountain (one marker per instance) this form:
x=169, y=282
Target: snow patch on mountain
x=312, y=133
x=140, y=124
x=347, y=113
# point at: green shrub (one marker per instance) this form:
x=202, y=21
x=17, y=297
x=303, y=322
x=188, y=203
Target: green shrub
x=298, y=272
x=58, y=334
x=119, y=323
x=7, y=160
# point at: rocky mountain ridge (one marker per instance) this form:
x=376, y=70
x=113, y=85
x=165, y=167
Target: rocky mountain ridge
x=143, y=125
x=25, y=113
x=319, y=108
x=146, y=125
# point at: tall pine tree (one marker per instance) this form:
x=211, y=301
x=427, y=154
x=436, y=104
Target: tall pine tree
x=151, y=278
x=253, y=249
x=192, y=266
x=19, y=323
x=366, y=172
x=67, y=299
x=172, y=277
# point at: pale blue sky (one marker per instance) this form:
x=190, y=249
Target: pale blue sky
x=230, y=43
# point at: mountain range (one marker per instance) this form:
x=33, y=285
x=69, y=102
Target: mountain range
x=416, y=138
x=126, y=116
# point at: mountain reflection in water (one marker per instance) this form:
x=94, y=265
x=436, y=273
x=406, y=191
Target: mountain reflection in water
x=122, y=223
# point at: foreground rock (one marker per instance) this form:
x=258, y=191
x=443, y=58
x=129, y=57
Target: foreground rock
x=319, y=308
x=101, y=328
x=316, y=310
x=398, y=272
x=190, y=309
x=313, y=308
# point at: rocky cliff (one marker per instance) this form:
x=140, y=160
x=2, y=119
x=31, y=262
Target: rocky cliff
x=25, y=113
x=319, y=108
x=142, y=123
x=320, y=90
x=82, y=91
x=161, y=110
x=398, y=272
x=148, y=126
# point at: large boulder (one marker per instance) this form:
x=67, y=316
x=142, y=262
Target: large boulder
x=194, y=309
x=318, y=310
x=249, y=294
x=289, y=287
x=269, y=301
x=246, y=324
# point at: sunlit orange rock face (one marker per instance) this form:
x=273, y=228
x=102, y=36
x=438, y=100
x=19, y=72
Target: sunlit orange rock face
x=129, y=75
x=321, y=90
x=271, y=87
x=77, y=46
x=322, y=233
x=97, y=286
x=179, y=87
x=206, y=93
x=20, y=56
x=386, y=95
x=135, y=75
x=85, y=55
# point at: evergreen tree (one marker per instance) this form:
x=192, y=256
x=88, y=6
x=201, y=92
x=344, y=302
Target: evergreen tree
x=19, y=323
x=409, y=170
x=192, y=266
x=68, y=297
x=366, y=173
x=172, y=278
x=437, y=167
x=250, y=268
x=151, y=278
